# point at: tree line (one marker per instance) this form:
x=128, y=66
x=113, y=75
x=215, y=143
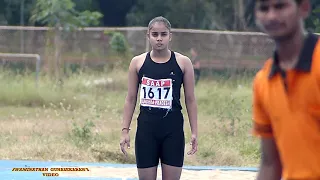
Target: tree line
x=235, y=15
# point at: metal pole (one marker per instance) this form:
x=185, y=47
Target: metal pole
x=22, y=24
x=37, y=68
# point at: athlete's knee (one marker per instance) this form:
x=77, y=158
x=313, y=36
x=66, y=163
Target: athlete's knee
x=171, y=172
x=147, y=173
x=146, y=177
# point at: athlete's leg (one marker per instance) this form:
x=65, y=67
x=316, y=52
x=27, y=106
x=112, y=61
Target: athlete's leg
x=146, y=151
x=170, y=172
x=172, y=155
x=147, y=173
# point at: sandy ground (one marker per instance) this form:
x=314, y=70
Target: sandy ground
x=107, y=172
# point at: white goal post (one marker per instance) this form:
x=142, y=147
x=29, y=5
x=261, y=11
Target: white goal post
x=21, y=55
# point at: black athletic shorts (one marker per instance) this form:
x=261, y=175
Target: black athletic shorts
x=160, y=138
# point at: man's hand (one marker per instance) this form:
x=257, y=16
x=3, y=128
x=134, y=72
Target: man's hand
x=271, y=167
x=194, y=144
x=125, y=140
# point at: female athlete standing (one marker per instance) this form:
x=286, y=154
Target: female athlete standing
x=160, y=135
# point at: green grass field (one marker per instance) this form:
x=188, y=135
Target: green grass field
x=81, y=121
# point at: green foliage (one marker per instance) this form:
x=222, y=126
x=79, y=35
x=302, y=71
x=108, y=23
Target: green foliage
x=82, y=5
x=316, y=20
x=89, y=106
x=120, y=50
x=310, y=23
x=108, y=33
x=82, y=136
x=205, y=14
x=119, y=43
x=19, y=66
x=181, y=13
x=11, y=11
x=62, y=13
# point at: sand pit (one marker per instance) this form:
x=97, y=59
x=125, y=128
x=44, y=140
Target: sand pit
x=108, y=172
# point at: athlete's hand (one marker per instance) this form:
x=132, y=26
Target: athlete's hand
x=194, y=145
x=125, y=140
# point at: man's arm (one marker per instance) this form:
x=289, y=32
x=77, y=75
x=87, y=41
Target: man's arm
x=270, y=167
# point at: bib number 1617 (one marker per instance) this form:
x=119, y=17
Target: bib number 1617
x=148, y=92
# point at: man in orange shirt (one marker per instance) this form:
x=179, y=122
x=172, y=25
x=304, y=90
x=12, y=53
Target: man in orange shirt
x=286, y=94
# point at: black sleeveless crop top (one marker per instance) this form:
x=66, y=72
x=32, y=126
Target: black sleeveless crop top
x=167, y=70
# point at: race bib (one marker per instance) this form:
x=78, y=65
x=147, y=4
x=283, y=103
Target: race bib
x=156, y=93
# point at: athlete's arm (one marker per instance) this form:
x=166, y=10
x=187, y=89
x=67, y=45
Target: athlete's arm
x=131, y=98
x=190, y=99
x=270, y=168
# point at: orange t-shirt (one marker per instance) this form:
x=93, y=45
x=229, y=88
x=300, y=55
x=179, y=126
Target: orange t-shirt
x=286, y=106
